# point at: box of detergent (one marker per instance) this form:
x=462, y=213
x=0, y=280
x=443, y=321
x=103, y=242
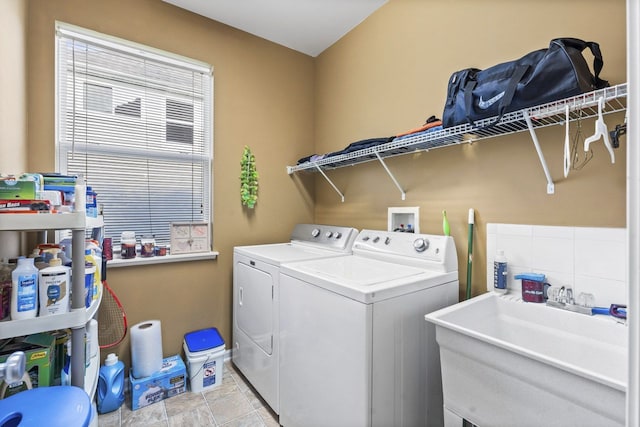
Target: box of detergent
x=39, y=355
x=169, y=381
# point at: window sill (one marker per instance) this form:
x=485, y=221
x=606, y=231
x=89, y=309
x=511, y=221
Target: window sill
x=199, y=256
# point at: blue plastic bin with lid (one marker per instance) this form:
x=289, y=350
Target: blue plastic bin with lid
x=204, y=350
x=59, y=406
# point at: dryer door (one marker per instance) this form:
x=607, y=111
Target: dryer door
x=254, y=305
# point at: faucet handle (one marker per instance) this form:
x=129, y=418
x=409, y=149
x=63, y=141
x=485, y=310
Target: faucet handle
x=585, y=299
x=569, y=296
x=555, y=294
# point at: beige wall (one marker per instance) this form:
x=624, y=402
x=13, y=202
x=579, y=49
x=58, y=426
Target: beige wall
x=13, y=102
x=263, y=98
x=390, y=73
x=386, y=76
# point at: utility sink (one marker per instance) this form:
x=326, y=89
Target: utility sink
x=506, y=362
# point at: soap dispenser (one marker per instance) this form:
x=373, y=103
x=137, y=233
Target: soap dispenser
x=54, y=283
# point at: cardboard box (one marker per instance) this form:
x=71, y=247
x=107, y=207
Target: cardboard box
x=11, y=188
x=169, y=381
x=39, y=352
x=60, y=350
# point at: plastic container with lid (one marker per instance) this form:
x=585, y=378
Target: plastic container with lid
x=205, y=358
x=533, y=286
x=147, y=246
x=110, y=384
x=128, y=245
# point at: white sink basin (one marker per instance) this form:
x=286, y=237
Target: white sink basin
x=510, y=363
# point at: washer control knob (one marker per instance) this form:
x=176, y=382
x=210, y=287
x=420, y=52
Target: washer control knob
x=421, y=244
x=328, y=234
x=315, y=232
x=387, y=240
x=365, y=238
x=376, y=239
x=338, y=235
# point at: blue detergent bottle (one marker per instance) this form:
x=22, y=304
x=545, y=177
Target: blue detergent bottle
x=110, y=384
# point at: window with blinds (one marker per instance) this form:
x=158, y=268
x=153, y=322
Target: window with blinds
x=137, y=124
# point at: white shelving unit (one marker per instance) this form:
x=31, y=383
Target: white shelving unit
x=554, y=113
x=79, y=315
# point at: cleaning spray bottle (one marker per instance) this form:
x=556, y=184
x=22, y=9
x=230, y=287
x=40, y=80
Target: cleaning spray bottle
x=24, y=292
x=54, y=283
x=95, y=254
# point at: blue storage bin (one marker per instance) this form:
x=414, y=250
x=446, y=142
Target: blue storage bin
x=204, y=339
x=205, y=358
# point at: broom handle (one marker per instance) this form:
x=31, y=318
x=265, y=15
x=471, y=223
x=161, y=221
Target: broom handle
x=470, y=252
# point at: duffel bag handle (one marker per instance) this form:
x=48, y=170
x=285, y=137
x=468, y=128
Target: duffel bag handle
x=518, y=74
x=594, y=47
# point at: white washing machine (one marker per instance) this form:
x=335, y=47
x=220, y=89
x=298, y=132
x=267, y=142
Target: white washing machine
x=256, y=272
x=354, y=347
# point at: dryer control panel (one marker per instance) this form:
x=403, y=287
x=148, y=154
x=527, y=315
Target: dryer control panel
x=326, y=236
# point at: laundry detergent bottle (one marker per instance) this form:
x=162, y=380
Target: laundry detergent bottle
x=24, y=290
x=90, y=258
x=54, y=283
x=110, y=384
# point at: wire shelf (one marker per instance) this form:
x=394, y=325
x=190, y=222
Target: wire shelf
x=582, y=106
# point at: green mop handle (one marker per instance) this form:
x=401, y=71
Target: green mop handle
x=470, y=252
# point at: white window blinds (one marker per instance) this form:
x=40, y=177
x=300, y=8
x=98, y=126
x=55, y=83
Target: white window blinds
x=137, y=123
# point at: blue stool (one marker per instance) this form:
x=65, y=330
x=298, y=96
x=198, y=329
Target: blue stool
x=62, y=406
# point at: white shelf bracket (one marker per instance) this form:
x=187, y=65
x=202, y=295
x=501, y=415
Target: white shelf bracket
x=393, y=178
x=534, y=137
x=330, y=182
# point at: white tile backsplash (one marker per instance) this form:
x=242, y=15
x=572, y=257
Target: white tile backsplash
x=587, y=259
x=553, y=254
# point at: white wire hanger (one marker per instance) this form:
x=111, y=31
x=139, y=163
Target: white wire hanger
x=567, y=149
x=601, y=132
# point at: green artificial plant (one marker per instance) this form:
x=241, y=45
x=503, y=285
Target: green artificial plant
x=248, y=179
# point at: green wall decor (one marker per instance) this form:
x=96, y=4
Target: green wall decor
x=248, y=179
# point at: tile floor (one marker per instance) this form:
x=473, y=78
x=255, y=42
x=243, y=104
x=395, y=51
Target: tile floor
x=234, y=403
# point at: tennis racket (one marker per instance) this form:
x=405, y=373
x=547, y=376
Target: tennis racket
x=112, y=319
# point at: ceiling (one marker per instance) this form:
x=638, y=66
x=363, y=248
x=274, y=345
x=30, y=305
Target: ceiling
x=308, y=26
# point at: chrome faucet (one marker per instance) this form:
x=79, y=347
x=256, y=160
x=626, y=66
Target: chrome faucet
x=563, y=298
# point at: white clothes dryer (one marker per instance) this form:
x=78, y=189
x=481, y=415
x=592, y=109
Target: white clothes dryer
x=354, y=347
x=256, y=272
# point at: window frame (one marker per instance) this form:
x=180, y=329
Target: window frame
x=138, y=50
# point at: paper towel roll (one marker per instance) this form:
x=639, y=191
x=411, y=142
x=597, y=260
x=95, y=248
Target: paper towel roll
x=146, y=348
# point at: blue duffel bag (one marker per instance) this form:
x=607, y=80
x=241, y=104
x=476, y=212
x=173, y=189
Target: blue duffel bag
x=539, y=77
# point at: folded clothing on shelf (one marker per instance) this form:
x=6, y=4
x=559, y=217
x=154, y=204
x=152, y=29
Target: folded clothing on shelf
x=361, y=145
x=431, y=122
